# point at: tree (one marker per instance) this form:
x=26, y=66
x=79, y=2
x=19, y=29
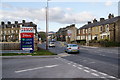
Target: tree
x=42, y=35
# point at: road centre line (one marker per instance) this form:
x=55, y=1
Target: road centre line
x=50, y=66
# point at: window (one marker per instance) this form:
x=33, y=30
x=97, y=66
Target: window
x=96, y=29
x=8, y=31
x=101, y=28
x=5, y=32
x=108, y=37
x=12, y=31
x=79, y=31
x=16, y=31
x=89, y=30
x=86, y=31
x=83, y=31
x=107, y=27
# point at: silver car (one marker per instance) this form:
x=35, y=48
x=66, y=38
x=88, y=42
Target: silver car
x=51, y=44
x=72, y=48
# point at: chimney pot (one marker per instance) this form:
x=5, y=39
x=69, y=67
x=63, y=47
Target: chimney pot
x=23, y=21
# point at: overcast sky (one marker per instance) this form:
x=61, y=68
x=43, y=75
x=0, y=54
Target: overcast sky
x=61, y=14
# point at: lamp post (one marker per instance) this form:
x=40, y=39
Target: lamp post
x=47, y=26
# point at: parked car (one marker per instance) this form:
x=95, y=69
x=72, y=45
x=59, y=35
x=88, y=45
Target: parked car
x=72, y=48
x=51, y=44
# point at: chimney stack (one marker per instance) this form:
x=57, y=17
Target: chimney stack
x=2, y=23
x=102, y=19
x=89, y=22
x=8, y=22
x=110, y=16
x=94, y=21
x=16, y=22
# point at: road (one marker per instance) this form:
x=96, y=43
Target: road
x=91, y=63
x=105, y=60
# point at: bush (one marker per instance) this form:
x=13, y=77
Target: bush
x=108, y=43
x=82, y=42
x=111, y=44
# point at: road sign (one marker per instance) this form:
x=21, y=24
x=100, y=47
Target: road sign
x=27, y=38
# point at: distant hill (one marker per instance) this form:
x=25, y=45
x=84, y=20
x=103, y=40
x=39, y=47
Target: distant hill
x=51, y=32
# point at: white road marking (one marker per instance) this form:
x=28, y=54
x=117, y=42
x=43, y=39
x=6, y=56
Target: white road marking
x=87, y=71
x=51, y=66
x=102, y=77
x=107, y=76
x=112, y=77
x=79, y=68
x=69, y=63
x=86, y=67
x=94, y=70
x=102, y=73
x=92, y=62
x=35, y=68
x=80, y=65
x=94, y=74
x=74, y=65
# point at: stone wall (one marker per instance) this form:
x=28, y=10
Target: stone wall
x=9, y=46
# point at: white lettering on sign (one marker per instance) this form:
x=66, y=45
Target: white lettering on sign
x=26, y=35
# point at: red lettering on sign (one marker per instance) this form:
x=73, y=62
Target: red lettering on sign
x=27, y=29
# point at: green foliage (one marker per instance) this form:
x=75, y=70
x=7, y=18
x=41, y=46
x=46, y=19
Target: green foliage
x=107, y=43
x=42, y=35
x=82, y=42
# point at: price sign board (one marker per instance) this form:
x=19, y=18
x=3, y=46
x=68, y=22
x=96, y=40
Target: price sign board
x=27, y=38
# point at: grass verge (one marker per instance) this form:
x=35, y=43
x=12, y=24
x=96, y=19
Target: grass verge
x=40, y=52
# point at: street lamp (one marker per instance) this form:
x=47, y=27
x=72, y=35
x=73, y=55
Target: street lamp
x=47, y=26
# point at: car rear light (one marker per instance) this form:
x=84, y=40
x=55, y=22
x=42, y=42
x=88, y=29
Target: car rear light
x=78, y=47
x=69, y=48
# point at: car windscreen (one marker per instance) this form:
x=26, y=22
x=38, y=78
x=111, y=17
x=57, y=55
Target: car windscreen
x=51, y=43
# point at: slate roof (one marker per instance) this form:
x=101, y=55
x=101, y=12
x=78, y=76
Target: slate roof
x=107, y=21
x=25, y=24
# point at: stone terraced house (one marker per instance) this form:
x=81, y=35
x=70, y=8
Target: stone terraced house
x=103, y=29
x=10, y=32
